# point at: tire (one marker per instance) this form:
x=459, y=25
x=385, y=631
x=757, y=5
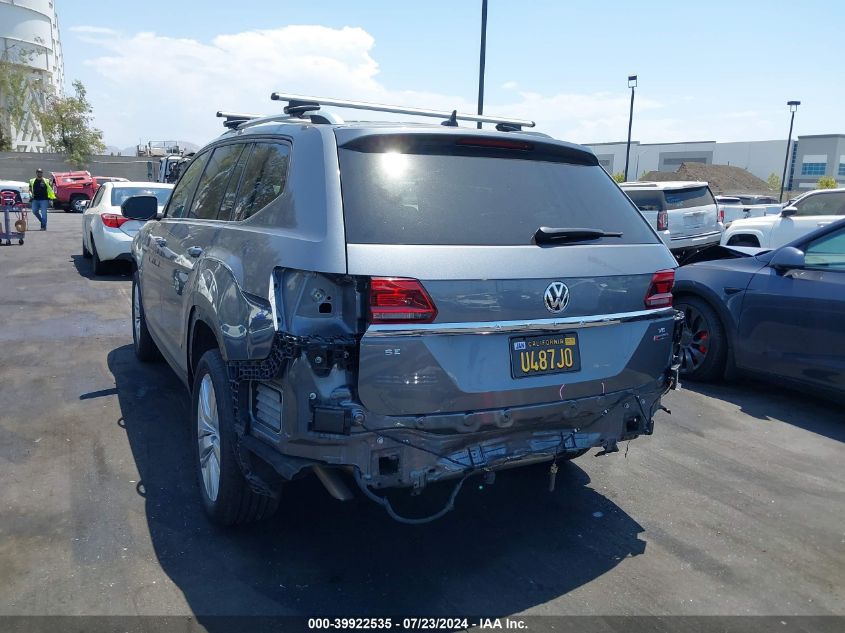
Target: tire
x=229, y=500
x=71, y=206
x=98, y=265
x=144, y=345
x=85, y=252
x=704, y=345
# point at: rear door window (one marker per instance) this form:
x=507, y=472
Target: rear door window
x=227, y=205
x=263, y=179
x=446, y=191
x=688, y=198
x=181, y=196
x=214, y=181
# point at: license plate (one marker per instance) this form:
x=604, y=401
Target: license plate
x=546, y=354
x=694, y=219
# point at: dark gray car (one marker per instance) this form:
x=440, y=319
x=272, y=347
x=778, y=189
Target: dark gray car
x=779, y=314
x=399, y=304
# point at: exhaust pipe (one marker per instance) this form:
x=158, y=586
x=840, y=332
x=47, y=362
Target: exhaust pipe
x=334, y=484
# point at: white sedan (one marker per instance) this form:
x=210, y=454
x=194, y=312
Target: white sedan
x=802, y=215
x=106, y=234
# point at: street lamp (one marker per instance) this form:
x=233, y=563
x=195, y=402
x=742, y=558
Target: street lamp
x=632, y=84
x=481, y=60
x=793, y=106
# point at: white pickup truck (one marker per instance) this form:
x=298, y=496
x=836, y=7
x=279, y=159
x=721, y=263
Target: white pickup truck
x=800, y=216
x=739, y=207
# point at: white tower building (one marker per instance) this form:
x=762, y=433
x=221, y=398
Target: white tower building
x=29, y=31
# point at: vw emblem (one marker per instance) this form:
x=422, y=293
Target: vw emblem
x=556, y=297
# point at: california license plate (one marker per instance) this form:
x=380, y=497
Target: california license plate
x=537, y=355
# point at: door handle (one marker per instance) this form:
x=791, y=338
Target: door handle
x=194, y=251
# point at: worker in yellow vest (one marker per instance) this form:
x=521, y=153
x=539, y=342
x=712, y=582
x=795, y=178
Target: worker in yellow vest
x=42, y=193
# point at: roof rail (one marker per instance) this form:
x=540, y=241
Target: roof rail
x=299, y=104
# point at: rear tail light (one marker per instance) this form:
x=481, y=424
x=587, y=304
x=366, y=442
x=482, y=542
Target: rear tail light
x=721, y=214
x=659, y=293
x=662, y=220
x=396, y=300
x=113, y=221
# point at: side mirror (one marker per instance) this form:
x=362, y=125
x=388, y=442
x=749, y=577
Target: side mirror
x=787, y=258
x=788, y=211
x=141, y=208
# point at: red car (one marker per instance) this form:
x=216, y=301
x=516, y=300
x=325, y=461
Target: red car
x=71, y=187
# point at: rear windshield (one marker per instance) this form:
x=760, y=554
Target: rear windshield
x=646, y=200
x=686, y=198
x=119, y=194
x=445, y=193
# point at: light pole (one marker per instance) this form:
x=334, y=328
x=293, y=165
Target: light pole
x=481, y=60
x=793, y=106
x=632, y=84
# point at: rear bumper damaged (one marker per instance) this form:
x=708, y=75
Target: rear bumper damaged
x=325, y=427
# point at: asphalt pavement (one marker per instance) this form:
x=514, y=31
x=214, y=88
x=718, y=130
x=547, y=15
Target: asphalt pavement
x=736, y=505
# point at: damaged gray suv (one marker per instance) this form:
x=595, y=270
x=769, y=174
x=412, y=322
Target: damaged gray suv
x=390, y=305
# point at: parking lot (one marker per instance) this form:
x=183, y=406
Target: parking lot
x=734, y=507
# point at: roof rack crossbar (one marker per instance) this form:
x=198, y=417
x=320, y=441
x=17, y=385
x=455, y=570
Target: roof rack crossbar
x=298, y=100
x=234, y=119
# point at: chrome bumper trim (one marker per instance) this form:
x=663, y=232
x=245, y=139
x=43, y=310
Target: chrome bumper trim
x=516, y=327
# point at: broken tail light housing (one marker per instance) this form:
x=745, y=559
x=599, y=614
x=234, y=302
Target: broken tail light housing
x=659, y=293
x=400, y=300
x=113, y=221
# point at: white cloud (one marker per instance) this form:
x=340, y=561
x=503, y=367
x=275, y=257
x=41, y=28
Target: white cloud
x=155, y=87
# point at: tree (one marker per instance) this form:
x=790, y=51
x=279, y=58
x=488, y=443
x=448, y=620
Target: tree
x=774, y=181
x=619, y=176
x=20, y=89
x=67, y=125
x=826, y=182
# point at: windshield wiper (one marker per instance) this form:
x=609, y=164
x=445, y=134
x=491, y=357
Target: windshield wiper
x=548, y=235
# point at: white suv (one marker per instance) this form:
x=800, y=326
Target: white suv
x=800, y=216
x=684, y=213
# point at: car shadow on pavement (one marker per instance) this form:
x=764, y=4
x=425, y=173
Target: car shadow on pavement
x=766, y=401
x=117, y=271
x=505, y=548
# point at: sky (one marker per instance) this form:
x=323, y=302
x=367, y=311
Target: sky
x=717, y=70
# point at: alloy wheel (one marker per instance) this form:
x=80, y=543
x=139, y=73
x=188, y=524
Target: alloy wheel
x=695, y=339
x=208, y=438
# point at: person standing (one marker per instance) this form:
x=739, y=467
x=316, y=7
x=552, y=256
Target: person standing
x=41, y=193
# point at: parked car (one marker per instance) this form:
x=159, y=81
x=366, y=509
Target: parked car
x=800, y=216
x=778, y=313
x=21, y=189
x=753, y=198
x=692, y=216
x=71, y=188
x=106, y=234
x=399, y=305
x=739, y=207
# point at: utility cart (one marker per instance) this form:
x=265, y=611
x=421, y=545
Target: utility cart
x=11, y=204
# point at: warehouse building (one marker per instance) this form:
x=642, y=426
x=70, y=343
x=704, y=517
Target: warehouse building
x=810, y=157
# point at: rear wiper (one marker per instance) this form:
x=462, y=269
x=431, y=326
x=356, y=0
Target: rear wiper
x=548, y=235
